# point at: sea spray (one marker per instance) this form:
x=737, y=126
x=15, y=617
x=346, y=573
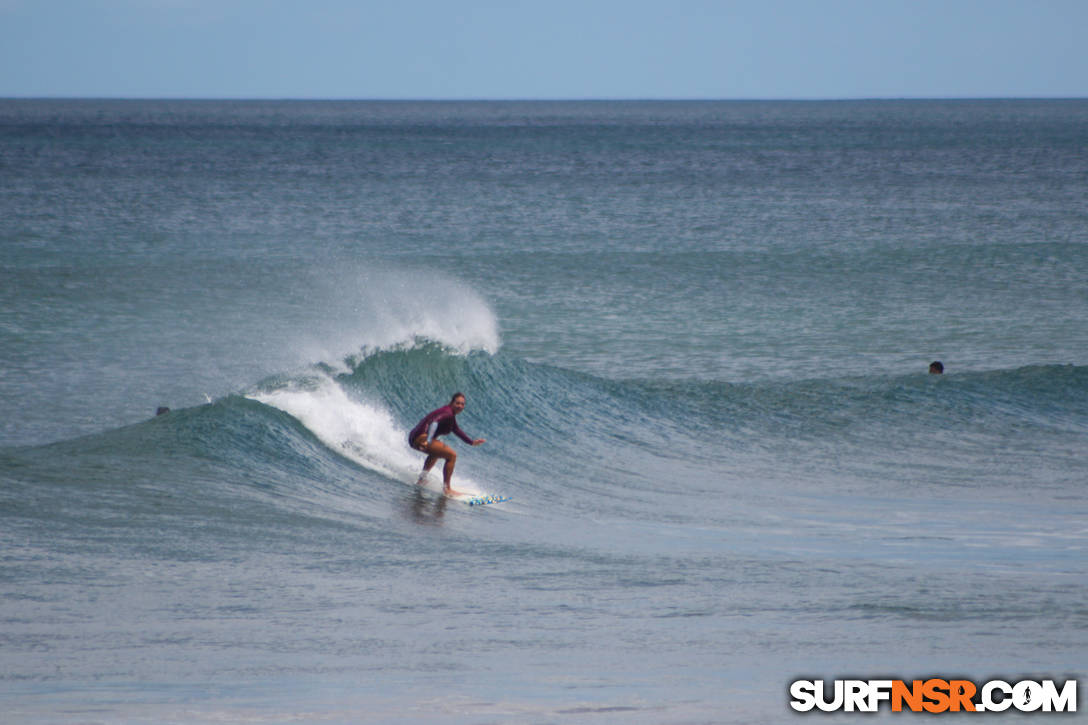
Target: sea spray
x=382, y=306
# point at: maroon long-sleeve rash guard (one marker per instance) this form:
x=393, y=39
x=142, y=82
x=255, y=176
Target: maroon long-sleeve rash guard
x=438, y=423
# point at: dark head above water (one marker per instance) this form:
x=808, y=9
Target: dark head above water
x=936, y=367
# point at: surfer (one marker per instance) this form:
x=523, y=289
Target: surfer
x=424, y=438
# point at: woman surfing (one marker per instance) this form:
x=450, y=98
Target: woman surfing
x=424, y=437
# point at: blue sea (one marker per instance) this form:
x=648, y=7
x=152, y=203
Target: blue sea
x=694, y=334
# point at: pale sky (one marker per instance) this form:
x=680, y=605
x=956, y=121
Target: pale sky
x=544, y=49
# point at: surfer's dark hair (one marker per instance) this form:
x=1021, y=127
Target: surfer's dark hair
x=456, y=396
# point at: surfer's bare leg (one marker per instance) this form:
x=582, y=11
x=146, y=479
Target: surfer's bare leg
x=420, y=444
x=438, y=449
x=435, y=450
x=427, y=466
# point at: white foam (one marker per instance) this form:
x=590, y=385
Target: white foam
x=364, y=432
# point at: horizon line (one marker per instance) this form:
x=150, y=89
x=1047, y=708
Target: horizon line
x=556, y=99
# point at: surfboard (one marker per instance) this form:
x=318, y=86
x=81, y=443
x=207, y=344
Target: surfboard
x=482, y=500
x=472, y=499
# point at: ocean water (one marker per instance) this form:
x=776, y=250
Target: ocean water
x=694, y=335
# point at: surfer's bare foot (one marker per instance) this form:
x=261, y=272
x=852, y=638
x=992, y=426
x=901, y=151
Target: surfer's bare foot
x=422, y=480
x=450, y=492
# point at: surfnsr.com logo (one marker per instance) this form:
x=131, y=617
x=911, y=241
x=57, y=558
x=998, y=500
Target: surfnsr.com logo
x=934, y=695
